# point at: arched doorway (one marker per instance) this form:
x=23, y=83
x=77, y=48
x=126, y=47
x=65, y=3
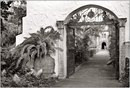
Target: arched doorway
x=103, y=45
x=90, y=17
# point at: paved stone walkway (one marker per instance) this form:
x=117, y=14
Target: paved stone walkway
x=94, y=73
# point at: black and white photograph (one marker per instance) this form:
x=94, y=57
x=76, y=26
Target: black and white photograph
x=65, y=44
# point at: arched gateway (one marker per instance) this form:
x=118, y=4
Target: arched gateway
x=87, y=17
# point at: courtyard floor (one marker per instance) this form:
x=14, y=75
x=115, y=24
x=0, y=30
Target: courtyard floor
x=94, y=73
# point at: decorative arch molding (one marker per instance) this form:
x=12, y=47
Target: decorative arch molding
x=88, y=6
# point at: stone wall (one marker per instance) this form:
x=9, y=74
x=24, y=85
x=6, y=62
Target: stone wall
x=127, y=50
x=61, y=55
x=122, y=48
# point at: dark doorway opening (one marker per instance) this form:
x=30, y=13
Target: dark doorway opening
x=103, y=45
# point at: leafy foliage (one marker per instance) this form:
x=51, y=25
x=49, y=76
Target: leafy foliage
x=4, y=9
x=28, y=81
x=6, y=32
x=82, y=39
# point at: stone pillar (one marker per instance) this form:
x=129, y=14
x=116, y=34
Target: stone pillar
x=62, y=54
x=122, y=22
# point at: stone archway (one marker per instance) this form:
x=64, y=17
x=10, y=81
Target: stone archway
x=67, y=65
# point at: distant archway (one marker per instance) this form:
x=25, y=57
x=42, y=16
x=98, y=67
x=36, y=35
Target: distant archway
x=103, y=45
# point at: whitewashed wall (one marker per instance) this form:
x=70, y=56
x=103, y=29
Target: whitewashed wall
x=44, y=13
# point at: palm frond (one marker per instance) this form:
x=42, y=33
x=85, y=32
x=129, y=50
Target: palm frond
x=19, y=61
x=24, y=50
x=38, y=50
x=49, y=27
x=33, y=54
x=35, y=35
x=30, y=40
x=29, y=48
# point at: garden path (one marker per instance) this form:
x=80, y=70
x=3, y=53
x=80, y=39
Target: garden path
x=94, y=73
